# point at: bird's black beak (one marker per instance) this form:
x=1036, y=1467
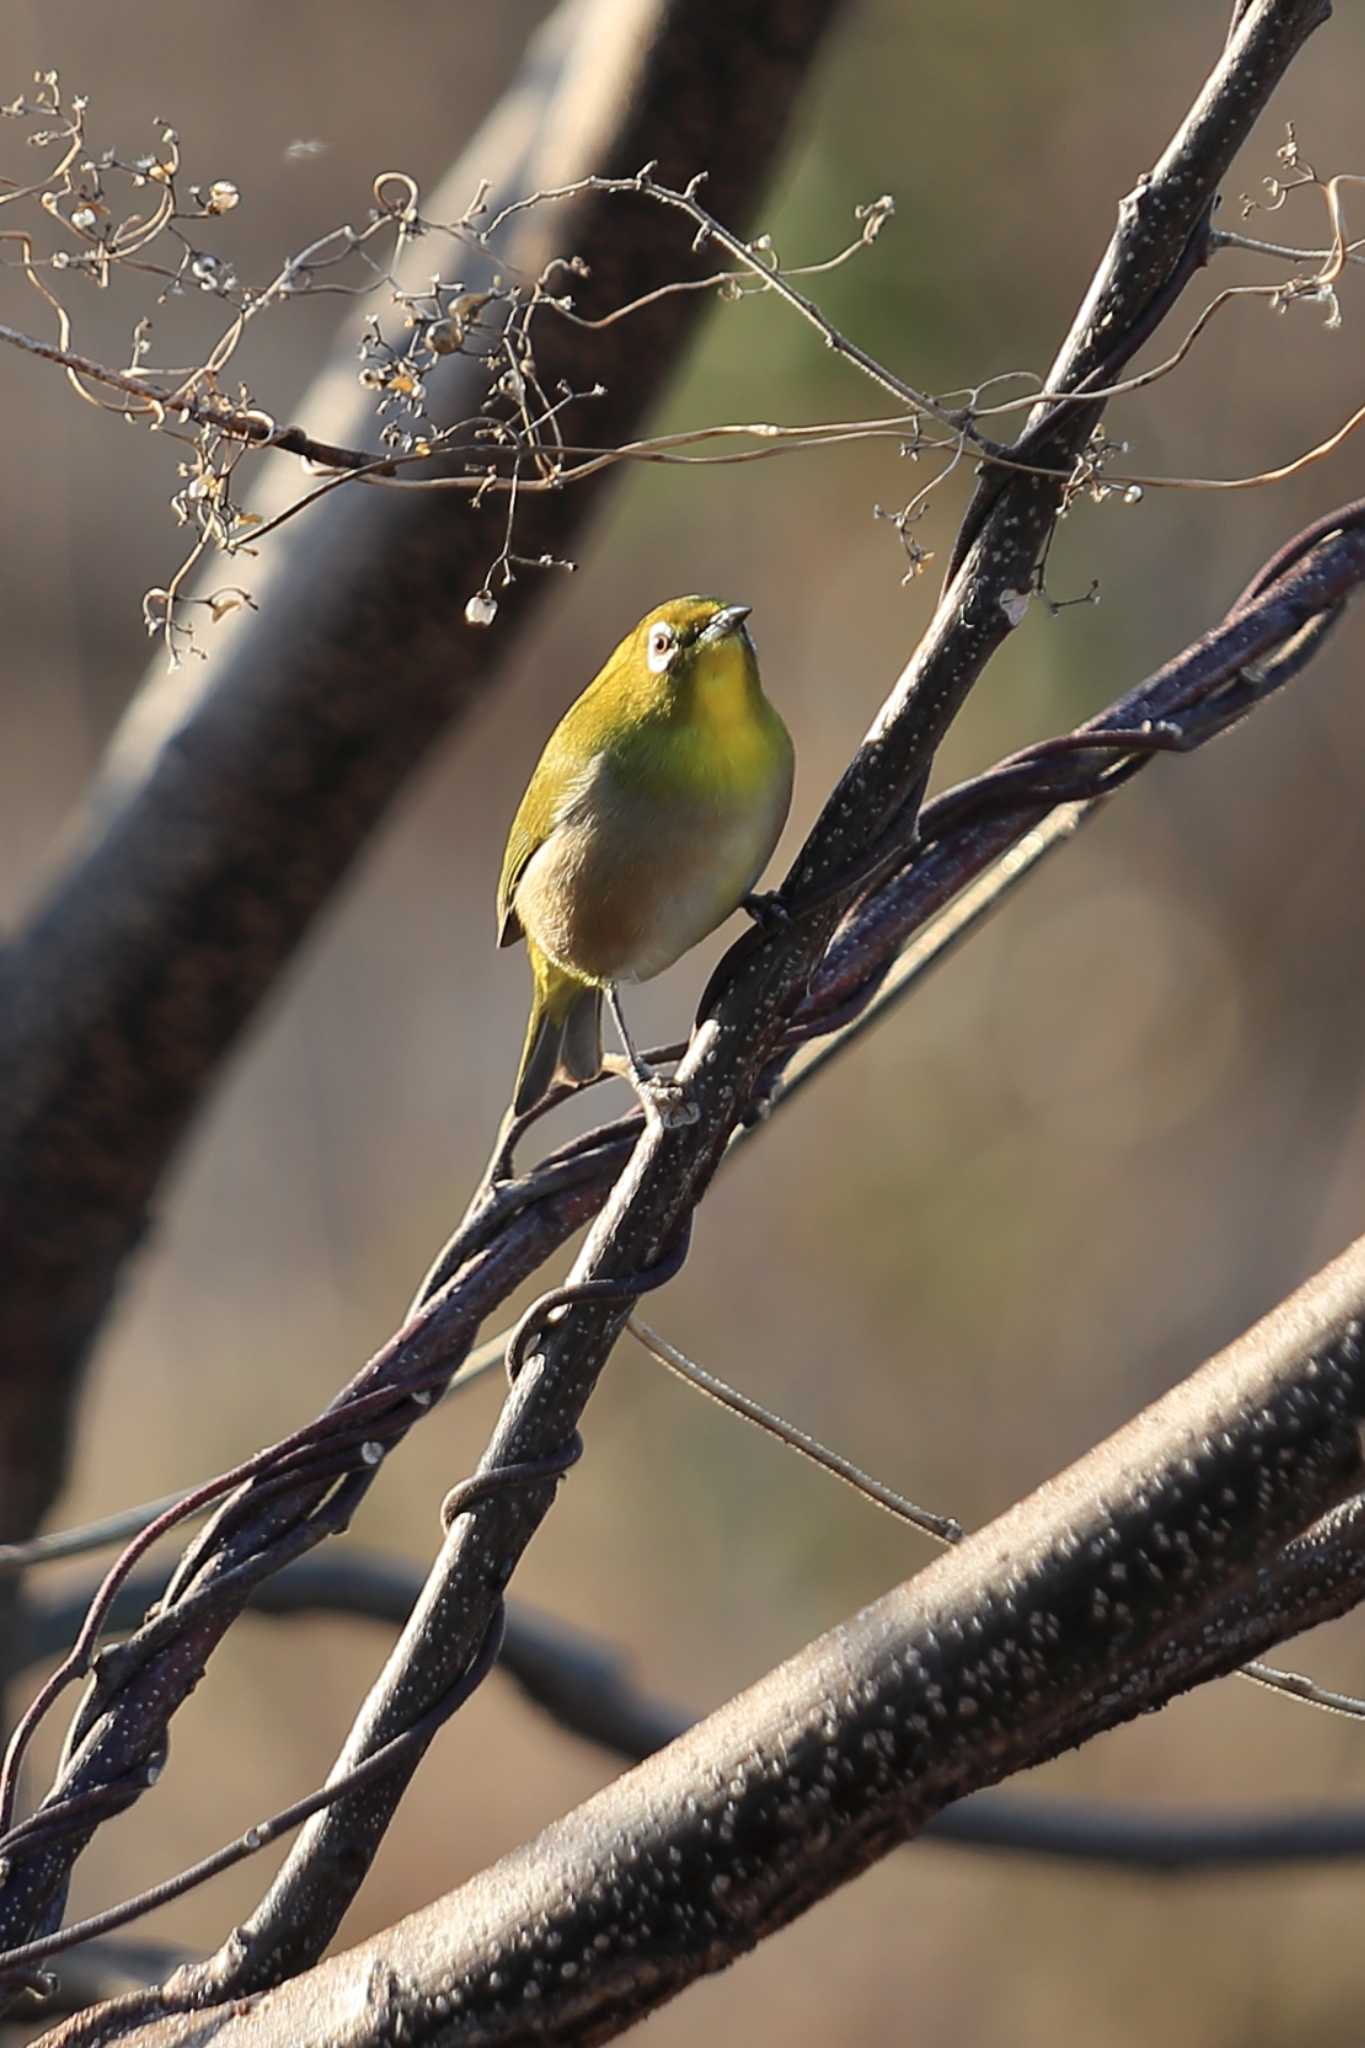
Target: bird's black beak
x=725, y=622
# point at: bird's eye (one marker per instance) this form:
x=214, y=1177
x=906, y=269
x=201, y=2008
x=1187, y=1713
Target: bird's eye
x=663, y=645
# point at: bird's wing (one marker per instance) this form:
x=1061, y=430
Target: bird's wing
x=565, y=778
x=524, y=839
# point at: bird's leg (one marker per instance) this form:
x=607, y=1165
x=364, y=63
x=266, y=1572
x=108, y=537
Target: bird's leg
x=664, y=1099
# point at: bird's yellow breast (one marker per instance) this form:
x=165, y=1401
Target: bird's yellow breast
x=673, y=827
x=656, y=805
x=728, y=740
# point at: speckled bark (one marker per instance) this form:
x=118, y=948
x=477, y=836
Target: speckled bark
x=755, y=990
x=1048, y=1603
x=1087, y=1603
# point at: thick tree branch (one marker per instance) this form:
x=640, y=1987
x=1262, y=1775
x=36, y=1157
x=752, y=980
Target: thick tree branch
x=229, y=811
x=512, y=1228
x=292, y=1504
x=1105, y=1593
x=869, y=818
x=586, y=1688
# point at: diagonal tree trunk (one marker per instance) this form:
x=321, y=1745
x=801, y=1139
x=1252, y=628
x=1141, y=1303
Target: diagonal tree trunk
x=228, y=812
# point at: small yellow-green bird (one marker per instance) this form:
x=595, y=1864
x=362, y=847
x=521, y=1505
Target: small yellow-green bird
x=651, y=814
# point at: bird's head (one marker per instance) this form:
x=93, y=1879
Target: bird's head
x=695, y=642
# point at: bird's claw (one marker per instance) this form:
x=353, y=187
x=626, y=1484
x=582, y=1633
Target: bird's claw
x=668, y=1102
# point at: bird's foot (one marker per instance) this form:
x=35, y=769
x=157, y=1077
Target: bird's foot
x=766, y=908
x=665, y=1102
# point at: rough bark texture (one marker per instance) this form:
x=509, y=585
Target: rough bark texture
x=755, y=989
x=235, y=801
x=1099, y=1596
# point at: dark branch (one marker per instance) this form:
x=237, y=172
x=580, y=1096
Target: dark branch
x=865, y=830
x=104, y=1970
x=229, y=813
x=515, y=1225
x=586, y=1688
x=869, y=820
x=1160, y=1560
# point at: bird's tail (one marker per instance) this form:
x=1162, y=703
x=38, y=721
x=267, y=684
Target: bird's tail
x=564, y=1036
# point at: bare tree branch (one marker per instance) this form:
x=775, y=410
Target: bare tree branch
x=306, y=1488
x=228, y=812
x=104, y=1970
x=1154, y=1563
x=869, y=820
x=867, y=830
x=587, y=1689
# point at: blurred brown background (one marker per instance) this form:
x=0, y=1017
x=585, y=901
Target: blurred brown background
x=1125, y=1121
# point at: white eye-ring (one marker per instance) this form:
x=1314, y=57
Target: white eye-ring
x=663, y=645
